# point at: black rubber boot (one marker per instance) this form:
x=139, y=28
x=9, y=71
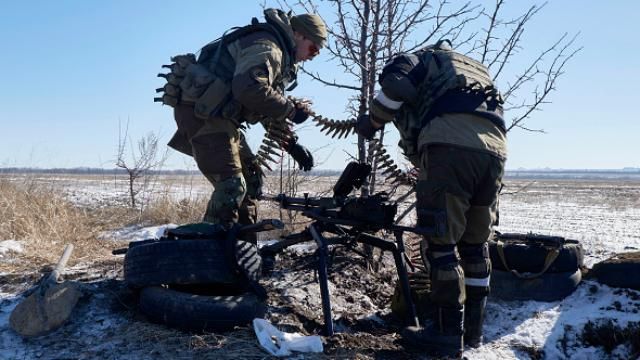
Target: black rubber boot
x=473, y=321
x=440, y=338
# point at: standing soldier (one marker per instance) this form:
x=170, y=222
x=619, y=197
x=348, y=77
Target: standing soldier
x=449, y=115
x=241, y=78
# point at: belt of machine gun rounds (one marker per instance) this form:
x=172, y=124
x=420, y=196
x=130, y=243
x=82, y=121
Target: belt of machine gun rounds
x=278, y=135
x=388, y=168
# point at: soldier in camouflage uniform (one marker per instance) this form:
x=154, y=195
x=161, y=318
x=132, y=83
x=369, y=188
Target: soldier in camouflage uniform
x=244, y=74
x=449, y=116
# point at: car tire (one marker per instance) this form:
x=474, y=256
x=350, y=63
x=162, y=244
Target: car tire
x=529, y=257
x=546, y=287
x=185, y=262
x=194, y=312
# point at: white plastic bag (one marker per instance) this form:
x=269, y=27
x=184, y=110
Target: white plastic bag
x=279, y=343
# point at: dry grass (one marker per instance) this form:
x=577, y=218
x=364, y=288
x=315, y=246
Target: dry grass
x=41, y=218
x=44, y=221
x=37, y=214
x=610, y=335
x=165, y=209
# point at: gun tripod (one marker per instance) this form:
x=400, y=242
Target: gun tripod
x=345, y=236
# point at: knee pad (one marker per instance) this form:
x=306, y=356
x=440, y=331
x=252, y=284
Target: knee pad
x=447, y=286
x=477, y=269
x=226, y=199
x=447, y=276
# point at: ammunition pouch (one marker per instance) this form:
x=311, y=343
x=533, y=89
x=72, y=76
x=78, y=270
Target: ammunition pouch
x=172, y=91
x=211, y=101
x=433, y=219
x=195, y=84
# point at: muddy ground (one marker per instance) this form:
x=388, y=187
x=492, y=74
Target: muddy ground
x=107, y=324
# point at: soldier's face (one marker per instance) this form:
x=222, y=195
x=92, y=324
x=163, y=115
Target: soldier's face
x=305, y=48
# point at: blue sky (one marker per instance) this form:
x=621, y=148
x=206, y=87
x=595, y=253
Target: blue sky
x=72, y=70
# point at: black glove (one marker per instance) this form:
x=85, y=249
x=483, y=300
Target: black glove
x=364, y=127
x=301, y=113
x=301, y=155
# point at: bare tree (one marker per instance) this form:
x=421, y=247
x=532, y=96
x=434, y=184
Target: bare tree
x=366, y=33
x=138, y=162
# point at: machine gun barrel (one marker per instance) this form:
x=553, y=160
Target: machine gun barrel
x=367, y=214
x=303, y=203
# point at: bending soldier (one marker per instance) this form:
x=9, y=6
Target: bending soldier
x=241, y=78
x=449, y=115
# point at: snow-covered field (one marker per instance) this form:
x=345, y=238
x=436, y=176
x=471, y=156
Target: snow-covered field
x=603, y=214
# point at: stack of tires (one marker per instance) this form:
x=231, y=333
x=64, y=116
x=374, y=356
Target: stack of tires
x=534, y=267
x=197, y=277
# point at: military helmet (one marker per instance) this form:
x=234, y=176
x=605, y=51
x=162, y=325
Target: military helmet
x=312, y=27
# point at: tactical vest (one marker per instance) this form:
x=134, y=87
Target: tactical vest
x=446, y=82
x=205, y=82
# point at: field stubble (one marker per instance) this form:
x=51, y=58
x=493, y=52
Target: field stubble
x=47, y=211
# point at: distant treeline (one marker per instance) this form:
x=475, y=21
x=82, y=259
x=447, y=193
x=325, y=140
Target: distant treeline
x=626, y=173
x=606, y=174
x=117, y=171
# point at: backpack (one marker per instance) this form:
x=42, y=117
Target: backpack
x=205, y=81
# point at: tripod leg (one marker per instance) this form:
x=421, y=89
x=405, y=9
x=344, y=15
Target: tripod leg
x=401, y=267
x=323, y=253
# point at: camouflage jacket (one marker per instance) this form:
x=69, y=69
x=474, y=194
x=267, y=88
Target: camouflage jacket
x=263, y=68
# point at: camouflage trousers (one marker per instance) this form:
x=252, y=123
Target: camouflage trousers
x=225, y=159
x=457, y=193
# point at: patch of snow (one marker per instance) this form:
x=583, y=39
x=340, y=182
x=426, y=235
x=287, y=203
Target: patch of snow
x=553, y=328
x=304, y=248
x=262, y=243
x=10, y=245
x=137, y=232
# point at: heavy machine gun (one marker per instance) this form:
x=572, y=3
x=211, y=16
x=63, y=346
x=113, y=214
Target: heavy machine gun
x=347, y=220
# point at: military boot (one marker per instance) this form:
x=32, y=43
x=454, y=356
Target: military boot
x=442, y=337
x=473, y=320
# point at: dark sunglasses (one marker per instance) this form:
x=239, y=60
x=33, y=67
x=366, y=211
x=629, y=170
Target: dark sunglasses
x=314, y=49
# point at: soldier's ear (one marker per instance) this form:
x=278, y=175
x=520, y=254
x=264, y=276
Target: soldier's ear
x=298, y=36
